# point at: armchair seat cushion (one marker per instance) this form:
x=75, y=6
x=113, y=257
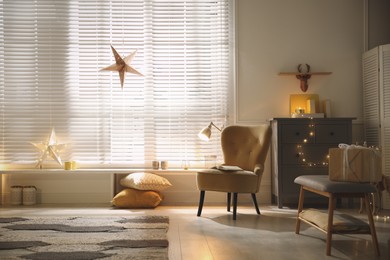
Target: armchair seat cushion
x=227, y=181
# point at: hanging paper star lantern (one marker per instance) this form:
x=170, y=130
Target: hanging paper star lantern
x=49, y=148
x=122, y=65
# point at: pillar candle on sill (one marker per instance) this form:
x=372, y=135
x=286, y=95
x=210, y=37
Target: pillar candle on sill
x=70, y=165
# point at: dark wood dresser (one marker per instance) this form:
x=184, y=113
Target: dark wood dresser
x=300, y=147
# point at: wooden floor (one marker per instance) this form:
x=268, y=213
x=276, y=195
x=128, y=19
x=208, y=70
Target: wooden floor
x=215, y=235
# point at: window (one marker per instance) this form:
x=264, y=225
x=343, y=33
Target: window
x=51, y=56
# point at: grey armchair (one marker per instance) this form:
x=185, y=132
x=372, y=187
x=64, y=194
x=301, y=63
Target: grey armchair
x=247, y=148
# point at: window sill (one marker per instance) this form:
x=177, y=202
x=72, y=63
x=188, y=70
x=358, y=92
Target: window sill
x=99, y=171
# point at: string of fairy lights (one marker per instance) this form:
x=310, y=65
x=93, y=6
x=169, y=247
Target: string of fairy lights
x=303, y=157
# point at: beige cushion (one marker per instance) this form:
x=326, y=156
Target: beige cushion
x=145, y=181
x=131, y=198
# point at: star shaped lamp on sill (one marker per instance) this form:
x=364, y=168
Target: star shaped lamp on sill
x=122, y=65
x=49, y=148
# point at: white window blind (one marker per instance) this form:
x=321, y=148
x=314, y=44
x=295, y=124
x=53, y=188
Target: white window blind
x=51, y=54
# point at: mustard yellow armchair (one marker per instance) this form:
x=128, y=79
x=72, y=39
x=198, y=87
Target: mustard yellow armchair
x=247, y=148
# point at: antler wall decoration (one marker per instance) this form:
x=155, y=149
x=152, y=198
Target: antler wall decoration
x=303, y=76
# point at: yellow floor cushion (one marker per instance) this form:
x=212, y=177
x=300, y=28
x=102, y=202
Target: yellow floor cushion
x=132, y=198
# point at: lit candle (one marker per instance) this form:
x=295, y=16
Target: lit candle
x=299, y=110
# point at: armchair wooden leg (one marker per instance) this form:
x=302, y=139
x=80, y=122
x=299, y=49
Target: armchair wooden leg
x=229, y=200
x=255, y=203
x=201, y=200
x=234, y=205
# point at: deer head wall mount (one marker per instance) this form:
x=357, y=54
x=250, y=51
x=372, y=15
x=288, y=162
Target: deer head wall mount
x=304, y=76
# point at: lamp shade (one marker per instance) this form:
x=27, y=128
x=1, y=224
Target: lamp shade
x=205, y=133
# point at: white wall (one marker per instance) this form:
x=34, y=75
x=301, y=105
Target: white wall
x=276, y=35
x=272, y=36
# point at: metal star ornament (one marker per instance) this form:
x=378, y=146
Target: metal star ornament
x=122, y=65
x=49, y=148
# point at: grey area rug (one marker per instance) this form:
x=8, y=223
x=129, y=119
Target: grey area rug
x=82, y=238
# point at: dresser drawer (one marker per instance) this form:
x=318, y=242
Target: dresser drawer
x=331, y=134
x=297, y=133
x=292, y=154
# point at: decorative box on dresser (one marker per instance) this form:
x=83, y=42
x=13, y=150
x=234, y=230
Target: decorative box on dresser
x=300, y=147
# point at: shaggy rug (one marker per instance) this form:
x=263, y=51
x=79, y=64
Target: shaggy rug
x=139, y=237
